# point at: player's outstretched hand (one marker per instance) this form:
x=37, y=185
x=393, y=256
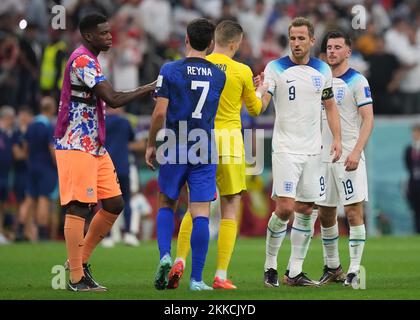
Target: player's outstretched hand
x=150, y=157
x=258, y=80
x=262, y=89
x=336, y=150
x=352, y=161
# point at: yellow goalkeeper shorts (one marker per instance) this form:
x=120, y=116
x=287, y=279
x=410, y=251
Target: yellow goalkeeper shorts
x=230, y=175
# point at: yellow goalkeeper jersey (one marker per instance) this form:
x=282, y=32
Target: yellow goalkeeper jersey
x=239, y=88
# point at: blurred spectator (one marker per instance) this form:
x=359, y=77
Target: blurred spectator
x=157, y=19
x=20, y=168
x=366, y=42
x=141, y=211
x=29, y=61
x=9, y=54
x=36, y=13
x=8, y=141
x=126, y=60
x=410, y=84
x=42, y=172
x=210, y=8
x=270, y=48
x=246, y=55
x=412, y=162
x=53, y=65
x=77, y=9
x=397, y=42
x=254, y=23
x=120, y=136
x=384, y=76
x=25, y=117
x=377, y=15
x=184, y=12
x=227, y=12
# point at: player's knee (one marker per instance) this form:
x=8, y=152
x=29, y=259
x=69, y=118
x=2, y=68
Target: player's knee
x=165, y=202
x=77, y=208
x=354, y=215
x=354, y=218
x=284, y=213
x=304, y=207
x=114, y=205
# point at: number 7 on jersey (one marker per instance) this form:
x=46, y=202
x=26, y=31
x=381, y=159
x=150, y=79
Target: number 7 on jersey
x=194, y=86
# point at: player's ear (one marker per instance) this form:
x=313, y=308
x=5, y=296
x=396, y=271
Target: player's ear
x=187, y=40
x=312, y=41
x=349, y=53
x=88, y=36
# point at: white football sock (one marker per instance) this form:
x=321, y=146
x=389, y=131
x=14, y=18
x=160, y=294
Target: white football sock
x=300, y=238
x=276, y=231
x=356, y=244
x=330, y=246
x=314, y=216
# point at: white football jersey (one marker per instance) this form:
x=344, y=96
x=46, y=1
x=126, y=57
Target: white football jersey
x=297, y=91
x=351, y=92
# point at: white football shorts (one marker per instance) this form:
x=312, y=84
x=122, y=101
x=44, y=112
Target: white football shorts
x=296, y=176
x=343, y=187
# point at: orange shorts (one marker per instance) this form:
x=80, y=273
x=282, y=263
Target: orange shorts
x=85, y=178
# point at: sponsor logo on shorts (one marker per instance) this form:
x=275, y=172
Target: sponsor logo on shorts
x=348, y=198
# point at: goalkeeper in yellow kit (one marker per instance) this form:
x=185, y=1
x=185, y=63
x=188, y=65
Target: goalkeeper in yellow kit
x=230, y=175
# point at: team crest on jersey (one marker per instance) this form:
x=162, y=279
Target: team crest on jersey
x=316, y=81
x=339, y=96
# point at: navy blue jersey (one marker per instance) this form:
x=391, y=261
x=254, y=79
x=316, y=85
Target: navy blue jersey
x=118, y=134
x=193, y=87
x=7, y=140
x=40, y=137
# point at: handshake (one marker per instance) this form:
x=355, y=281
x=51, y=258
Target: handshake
x=261, y=88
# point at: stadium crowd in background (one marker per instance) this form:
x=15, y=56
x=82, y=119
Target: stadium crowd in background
x=147, y=33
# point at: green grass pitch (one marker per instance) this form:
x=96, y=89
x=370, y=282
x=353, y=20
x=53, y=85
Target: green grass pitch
x=392, y=272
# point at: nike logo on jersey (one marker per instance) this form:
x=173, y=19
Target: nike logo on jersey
x=348, y=198
x=288, y=81
x=354, y=245
x=322, y=194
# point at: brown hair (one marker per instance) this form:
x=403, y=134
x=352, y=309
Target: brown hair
x=227, y=31
x=302, y=21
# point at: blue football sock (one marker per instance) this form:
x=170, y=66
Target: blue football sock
x=164, y=229
x=199, y=245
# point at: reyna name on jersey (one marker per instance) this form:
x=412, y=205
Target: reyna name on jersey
x=199, y=71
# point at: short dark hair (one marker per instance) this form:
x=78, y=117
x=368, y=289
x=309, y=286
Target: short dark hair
x=91, y=21
x=335, y=34
x=227, y=31
x=200, y=33
x=302, y=21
